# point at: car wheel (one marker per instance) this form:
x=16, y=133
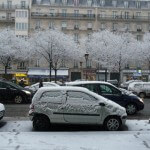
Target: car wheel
x=18, y=99
x=131, y=109
x=41, y=123
x=112, y=123
x=142, y=95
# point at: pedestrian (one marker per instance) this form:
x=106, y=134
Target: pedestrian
x=21, y=83
x=40, y=83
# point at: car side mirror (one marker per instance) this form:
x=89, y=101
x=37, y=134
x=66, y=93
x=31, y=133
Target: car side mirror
x=102, y=104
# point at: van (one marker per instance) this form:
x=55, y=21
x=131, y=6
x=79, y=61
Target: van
x=74, y=105
x=142, y=89
x=131, y=102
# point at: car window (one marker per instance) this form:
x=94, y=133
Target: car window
x=52, y=96
x=92, y=87
x=5, y=85
x=107, y=89
x=80, y=96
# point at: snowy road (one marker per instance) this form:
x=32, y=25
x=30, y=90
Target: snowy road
x=18, y=135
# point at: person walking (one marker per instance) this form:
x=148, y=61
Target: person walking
x=40, y=83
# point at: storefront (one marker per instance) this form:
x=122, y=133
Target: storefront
x=34, y=74
x=143, y=75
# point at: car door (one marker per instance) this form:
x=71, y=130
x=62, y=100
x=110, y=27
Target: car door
x=51, y=104
x=81, y=108
x=112, y=93
x=2, y=92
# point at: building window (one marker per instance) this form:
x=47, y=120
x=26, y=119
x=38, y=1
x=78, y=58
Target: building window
x=64, y=25
x=76, y=37
x=126, y=15
x=149, y=27
x=23, y=4
x=76, y=26
x=139, y=37
x=127, y=27
x=138, y=4
x=114, y=14
x=37, y=63
x=76, y=13
x=21, y=14
x=21, y=26
x=51, y=25
x=64, y=2
x=102, y=2
x=114, y=26
x=149, y=15
x=89, y=13
x=102, y=14
x=21, y=65
x=76, y=2
x=9, y=16
x=139, y=27
x=52, y=12
x=114, y=3
x=75, y=64
x=148, y=4
x=138, y=14
x=64, y=12
x=89, y=36
x=89, y=2
x=103, y=26
x=89, y=26
x=9, y=4
x=38, y=24
x=126, y=4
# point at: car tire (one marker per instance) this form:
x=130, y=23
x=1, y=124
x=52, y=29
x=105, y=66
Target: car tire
x=112, y=123
x=18, y=99
x=41, y=123
x=131, y=109
x=142, y=95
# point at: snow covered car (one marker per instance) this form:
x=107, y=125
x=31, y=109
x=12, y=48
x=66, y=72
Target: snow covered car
x=35, y=87
x=74, y=105
x=2, y=111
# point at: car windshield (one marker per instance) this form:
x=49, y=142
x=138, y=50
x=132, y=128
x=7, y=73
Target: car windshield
x=15, y=85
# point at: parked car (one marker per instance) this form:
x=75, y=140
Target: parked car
x=11, y=92
x=131, y=102
x=126, y=84
x=2, y=111
x=141, y=89
x=35, y=87
x=74, y=105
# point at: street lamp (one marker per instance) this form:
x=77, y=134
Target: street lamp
x=86, y=59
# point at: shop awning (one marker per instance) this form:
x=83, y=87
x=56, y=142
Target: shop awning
x=45, y=72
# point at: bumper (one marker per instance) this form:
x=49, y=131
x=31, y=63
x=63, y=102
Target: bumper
x=31, y=115
x=123, y=119
x=2, y=113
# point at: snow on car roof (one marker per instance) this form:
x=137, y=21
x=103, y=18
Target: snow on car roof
x=86, y=82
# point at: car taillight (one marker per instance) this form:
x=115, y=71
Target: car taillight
x=32, y=106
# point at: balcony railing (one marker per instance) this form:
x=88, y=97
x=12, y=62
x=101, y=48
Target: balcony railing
x=7, y=19
x=13, y=7
x=124, y=18
x=36, y=15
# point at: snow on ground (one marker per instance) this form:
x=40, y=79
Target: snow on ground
x=18, y=135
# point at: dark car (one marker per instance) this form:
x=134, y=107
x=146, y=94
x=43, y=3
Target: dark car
x=11, y=92
x=131, y=102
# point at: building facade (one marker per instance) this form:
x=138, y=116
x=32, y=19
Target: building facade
x=78, y=18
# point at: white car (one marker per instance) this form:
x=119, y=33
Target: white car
x=2, y=111
x=74, y=105
x=127, y=83
x=35, y=87
x=142, y=89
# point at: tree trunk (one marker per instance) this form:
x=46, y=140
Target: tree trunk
x=5, y=70
x=50, y=71
x=55, y=75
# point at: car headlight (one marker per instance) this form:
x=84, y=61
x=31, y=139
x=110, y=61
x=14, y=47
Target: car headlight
x=141, y=100
x=27, y=92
